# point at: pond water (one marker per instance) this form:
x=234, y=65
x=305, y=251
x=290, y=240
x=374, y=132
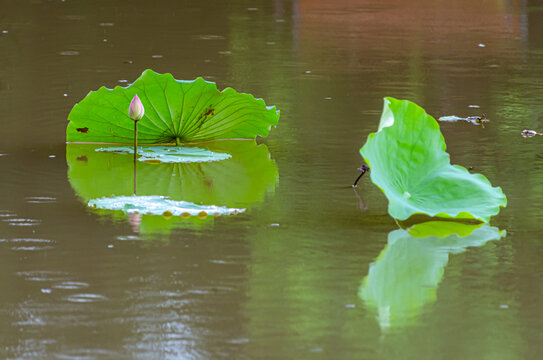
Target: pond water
x=286, y=278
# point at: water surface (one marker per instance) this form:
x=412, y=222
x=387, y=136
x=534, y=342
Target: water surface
x=283, y=280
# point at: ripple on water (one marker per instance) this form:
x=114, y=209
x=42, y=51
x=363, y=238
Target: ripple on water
x=43, y=275
x=6, y=214
x=86, y=354
x=22, y=222
x=70, y=285
x=128, y=237
x=28, y=244
x=69, y=53
x=85, y=298
x=40, y=200
x=209, y=37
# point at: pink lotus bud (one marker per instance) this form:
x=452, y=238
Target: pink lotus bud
x=136, y=110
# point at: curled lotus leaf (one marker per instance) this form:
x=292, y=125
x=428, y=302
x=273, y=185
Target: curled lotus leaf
x=409, y=163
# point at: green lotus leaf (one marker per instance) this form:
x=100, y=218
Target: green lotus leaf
x=406, y=275
x=239, y=182
x=169, y=154
x=159, y=205
x=408, y=162
x=175, y=112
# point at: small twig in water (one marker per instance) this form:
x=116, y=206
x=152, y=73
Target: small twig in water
x=363, y=169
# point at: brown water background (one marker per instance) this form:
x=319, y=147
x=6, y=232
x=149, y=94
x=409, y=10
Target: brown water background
x=282, y=280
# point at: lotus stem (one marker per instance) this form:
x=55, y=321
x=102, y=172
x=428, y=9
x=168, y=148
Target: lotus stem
x=177, y=142
x=135, y=140
x=135, y=152
x=363, y=169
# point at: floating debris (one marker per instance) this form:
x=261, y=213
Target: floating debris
x=475, y=120
x=529, y=133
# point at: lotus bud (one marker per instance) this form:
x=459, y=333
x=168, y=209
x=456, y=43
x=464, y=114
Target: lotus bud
x=136, y=110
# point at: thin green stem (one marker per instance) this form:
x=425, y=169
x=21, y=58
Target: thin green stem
x=135, y=153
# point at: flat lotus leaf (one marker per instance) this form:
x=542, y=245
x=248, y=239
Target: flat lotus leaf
x=240, y=181
x=160, y=205
x=169, y=154
x=176, y=111
x=406, y=275
x=408, y=162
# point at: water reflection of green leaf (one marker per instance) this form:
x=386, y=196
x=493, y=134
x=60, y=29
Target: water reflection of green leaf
x=241, y=181
x=406, y=275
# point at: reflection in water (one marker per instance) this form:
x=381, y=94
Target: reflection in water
x=238, y=182
x=407, y=273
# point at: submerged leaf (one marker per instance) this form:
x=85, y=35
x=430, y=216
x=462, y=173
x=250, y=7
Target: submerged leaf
x=175, y=112
x=408, y=162
x=169, y=154
x=160, y=205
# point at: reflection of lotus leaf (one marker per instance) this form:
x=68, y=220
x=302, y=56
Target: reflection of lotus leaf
x=175, y=111
x=408, y=162
x=238, y=182
x=169, y=154
x=406, y=274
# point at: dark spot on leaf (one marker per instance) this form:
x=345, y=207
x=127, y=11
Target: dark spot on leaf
x=83, y=158
x=83, y=130
x=152, y=161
